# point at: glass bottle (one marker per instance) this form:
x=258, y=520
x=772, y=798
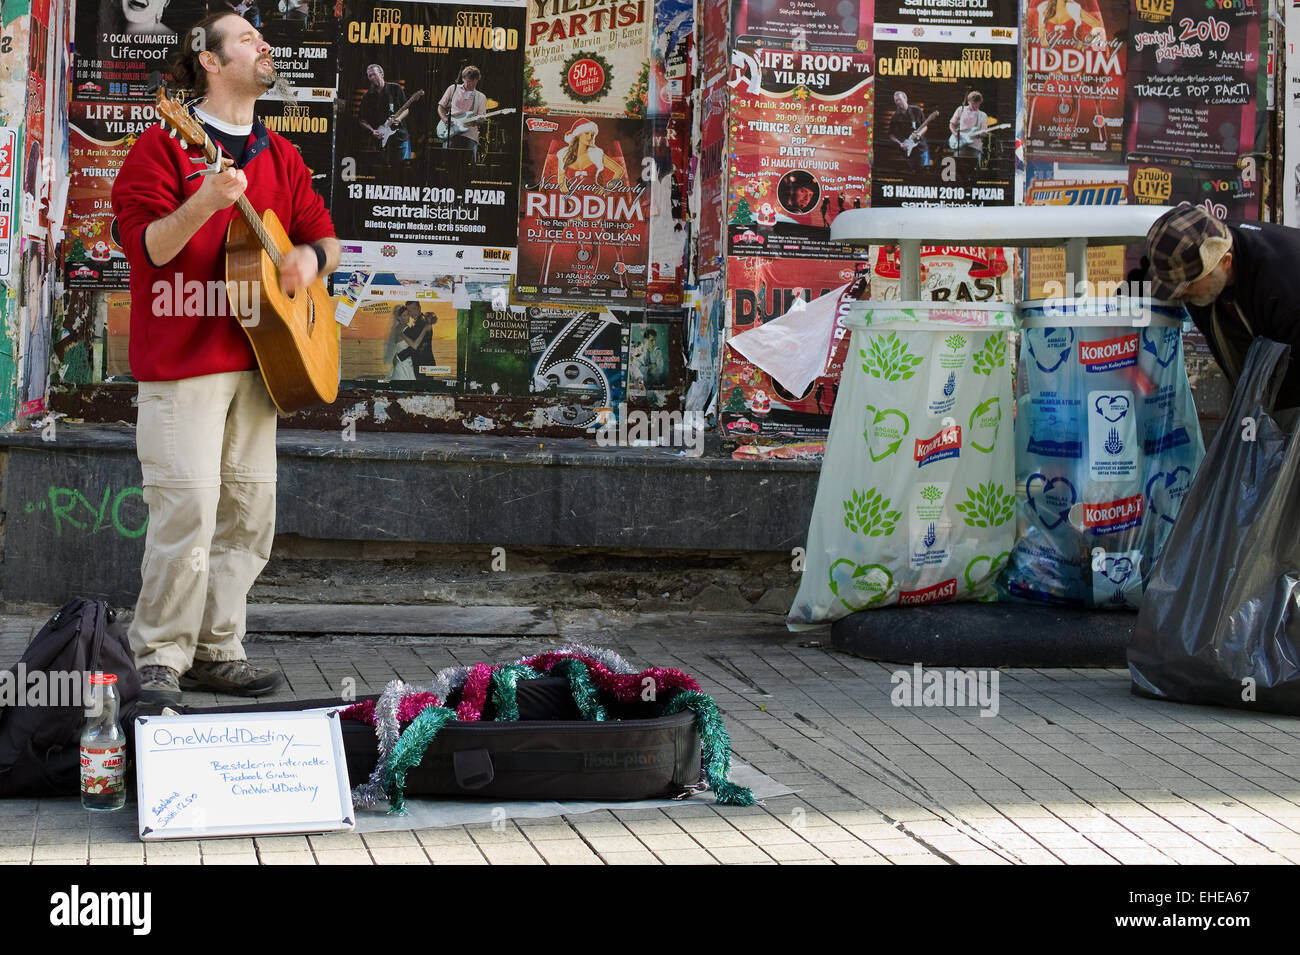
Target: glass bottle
x=103, y=748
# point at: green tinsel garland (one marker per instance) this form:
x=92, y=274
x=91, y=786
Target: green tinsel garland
x=410, y=749
x=505, y=690
x=715, y=746
x=585, y=694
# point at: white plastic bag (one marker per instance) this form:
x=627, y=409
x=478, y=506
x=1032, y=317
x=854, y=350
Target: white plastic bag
x=916, y=501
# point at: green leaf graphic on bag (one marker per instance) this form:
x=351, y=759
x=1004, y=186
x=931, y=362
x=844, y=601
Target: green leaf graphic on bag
x=887, y=357
x=931, y=493
x=984, y=568
x=955, y=343
x=885, y=432
x=984, y=423
x=859, y=586
x=987, y=505
x=992, y=356
x=869, y=514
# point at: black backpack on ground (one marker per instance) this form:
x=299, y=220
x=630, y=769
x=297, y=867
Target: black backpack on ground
x=40, y=745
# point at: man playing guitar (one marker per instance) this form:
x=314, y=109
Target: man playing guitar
x=206, y=425
x=907, y=130
x=465, y=105
x=378, y=103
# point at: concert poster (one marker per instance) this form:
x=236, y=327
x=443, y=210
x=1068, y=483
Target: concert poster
x=579, y=356
x=1192, y=72
x=801, y=145
x=802, y=24
x=309, y=125
x=119, y=43
x=922, y=89
x=593, y=61
x=670, y=58
x=301, y=34
x=1075, y=53
x=1050, y=185
x=374, y=347
x=100, y=136
x=1225, y=193
x=414, y=192
x=584, y=226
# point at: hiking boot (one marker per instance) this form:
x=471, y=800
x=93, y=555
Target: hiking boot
x=237, y=677
x=159, y=684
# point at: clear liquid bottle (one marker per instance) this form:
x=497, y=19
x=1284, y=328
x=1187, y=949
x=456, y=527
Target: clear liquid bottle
x=103, y=748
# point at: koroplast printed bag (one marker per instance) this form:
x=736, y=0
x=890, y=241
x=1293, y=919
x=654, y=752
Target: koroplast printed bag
x=916, y=498
x=1107, y=444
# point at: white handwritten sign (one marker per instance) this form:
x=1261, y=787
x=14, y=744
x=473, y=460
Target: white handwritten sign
x=234, y=774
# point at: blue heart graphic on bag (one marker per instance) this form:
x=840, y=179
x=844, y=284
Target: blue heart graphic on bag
x=1053, y=343
x=1166, y=348
x=1050, y=498
x=1118, y=569
x=1166, y=490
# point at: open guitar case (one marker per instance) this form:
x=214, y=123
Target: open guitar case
x=549, y=753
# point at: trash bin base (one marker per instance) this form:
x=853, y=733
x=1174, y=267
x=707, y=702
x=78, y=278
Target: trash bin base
x=988, y=635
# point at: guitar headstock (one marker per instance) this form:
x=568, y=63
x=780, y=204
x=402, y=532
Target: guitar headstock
x=175, y=117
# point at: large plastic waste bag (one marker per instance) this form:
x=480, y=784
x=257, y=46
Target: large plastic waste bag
x=1107, y=444
x=916, y=498
x=1220, y=623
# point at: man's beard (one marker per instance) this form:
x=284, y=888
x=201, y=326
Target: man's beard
x=273, y=81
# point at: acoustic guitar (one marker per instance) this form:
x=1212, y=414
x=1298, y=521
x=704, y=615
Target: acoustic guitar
x=293, y=336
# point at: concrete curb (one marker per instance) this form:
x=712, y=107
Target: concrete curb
x=988, y=635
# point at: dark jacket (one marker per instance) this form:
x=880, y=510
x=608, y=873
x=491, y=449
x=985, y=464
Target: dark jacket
x=1266, y=288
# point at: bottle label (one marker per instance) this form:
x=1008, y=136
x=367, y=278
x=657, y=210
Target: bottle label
x=103, y=770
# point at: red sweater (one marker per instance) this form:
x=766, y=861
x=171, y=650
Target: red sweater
x=168, y=340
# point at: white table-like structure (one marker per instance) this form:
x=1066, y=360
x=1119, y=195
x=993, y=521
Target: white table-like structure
x=1075, y=227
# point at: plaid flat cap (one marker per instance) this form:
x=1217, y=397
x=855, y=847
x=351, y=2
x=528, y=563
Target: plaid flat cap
x=1184, y=244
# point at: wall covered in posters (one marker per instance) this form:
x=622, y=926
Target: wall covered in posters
x=662, y=137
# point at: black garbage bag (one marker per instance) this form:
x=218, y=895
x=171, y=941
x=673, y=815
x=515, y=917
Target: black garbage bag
x=1219, y=621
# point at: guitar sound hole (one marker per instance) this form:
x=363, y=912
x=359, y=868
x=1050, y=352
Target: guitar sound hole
x=311, y=316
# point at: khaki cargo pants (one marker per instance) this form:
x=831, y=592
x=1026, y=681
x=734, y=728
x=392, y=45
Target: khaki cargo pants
x=207, y=451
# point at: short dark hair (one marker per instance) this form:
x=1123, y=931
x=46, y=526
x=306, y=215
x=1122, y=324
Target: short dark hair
x=186, y=70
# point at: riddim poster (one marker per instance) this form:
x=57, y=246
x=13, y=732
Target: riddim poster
x=801, y=147
x=426, y=170
x=1075, y=51
x=584, y=224
x=590, y=56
